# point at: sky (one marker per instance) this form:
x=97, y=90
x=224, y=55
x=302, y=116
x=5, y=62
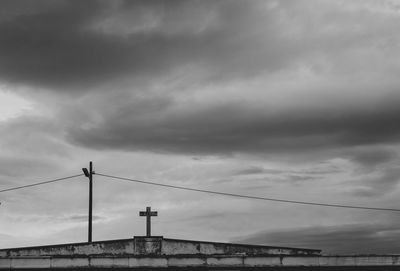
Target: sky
x=295, y=100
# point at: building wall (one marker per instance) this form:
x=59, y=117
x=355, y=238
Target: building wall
x=205, y=262
x=153, y=246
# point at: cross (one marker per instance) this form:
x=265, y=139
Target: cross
x=148, y=214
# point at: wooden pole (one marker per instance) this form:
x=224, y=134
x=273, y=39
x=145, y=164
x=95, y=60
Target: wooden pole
x=89, y=173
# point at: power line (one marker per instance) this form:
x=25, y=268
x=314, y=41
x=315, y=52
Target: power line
x=251, y=197
x=40, y=183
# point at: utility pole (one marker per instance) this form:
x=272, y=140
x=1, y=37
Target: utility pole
x=89, y=173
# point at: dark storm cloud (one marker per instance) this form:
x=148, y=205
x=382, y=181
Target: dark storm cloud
x=79, y=45
x=232, y=128
x=51, y=48
x=74, y=44
x=351, y=239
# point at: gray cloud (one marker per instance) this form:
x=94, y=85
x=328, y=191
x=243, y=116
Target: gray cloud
x=81, y=45
x=72, y=46
x=351, y=239
x=50, y=48
x=81, y=218
x=254, y=170
x=267, y=80
x=232, y=128
x=370, y=158
x=33, y=136
x=12, y=166
x=78, y=46
x=381, y=182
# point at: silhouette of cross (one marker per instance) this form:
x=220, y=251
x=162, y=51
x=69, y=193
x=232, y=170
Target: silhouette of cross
x=148, y=214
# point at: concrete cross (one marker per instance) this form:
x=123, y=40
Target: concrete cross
x=148, y=214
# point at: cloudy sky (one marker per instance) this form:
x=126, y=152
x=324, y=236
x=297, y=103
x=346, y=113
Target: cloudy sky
x=295, y=100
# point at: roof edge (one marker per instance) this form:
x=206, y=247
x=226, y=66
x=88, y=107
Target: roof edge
x=158, y=237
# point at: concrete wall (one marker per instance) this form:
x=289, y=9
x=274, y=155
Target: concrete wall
x=158, y=253
x=209, y=263
x=152, y=246
x=177, y=247
x=120, y=247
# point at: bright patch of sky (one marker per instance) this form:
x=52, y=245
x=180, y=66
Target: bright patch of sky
x=12, y=105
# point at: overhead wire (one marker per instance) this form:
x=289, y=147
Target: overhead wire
x=209, y=192
x=40, y=183
x=250, y=197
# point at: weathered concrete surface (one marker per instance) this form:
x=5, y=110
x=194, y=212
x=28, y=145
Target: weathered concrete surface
x=157, y=253
x=178, y=247
x=205, y=262
x=156, y=245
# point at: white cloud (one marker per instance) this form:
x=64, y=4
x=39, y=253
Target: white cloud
x=12, y=105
